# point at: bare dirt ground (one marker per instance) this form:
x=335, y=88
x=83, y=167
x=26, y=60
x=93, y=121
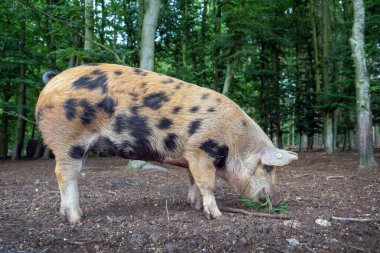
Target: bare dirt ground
x=146, y=211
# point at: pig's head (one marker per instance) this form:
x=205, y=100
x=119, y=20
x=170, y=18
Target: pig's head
x=257, y=174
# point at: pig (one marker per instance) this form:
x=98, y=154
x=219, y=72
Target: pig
x=139, y=114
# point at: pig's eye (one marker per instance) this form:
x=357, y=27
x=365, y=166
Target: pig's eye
x=268, y=168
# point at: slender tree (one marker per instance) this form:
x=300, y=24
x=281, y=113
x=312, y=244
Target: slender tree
x=21, y=98
x=148, y=34
x=363, y=100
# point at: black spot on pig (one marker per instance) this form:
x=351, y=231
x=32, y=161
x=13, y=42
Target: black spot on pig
x=194, y=126
x=141, y=72
x=138, y=127
x=218, y=100
x=205, y=96
x=39, y=115
x=155, y=100
x=105, y=145
x=107, y=105
x=170, y=142
x=194, y=109
x=179, y=86
x=218, y=153
x=97, y=72
x=167, y=81
x=211, y=109
x=118, y=72
x=120, y=123
x=77, y=152
x=176, y=109
x=244, y=123
x=69, y=106
x=164, y=123
x=143, y=85
x=134, y=109
x=97, y=80
x=88, y=112
x=134, y=95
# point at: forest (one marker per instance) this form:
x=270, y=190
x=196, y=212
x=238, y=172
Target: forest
x=288, y=64
x=307, y=71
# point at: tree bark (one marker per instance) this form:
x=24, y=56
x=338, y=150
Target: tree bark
x=21, y=100
x=377, y=136
x=148, y=35
x=89, y=25
x=217, y=49
x=363, y=100
x=327, y=117
x=202, y=70
x=315, y=48
x=229, y=75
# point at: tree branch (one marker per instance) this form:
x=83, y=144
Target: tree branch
x=354, y=219
x=118, y=59
x=266, y=215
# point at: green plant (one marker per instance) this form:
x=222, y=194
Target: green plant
x=266, y=207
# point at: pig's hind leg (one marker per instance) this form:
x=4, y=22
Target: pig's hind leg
x=194, y=197
x=203, y=171
x=67, y=170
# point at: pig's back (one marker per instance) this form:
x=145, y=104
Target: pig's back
x=125, y=105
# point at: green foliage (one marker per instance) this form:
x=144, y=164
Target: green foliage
x=269, y=43
x=265, y=207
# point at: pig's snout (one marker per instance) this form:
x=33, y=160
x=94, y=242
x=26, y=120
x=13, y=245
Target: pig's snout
x=276, y=198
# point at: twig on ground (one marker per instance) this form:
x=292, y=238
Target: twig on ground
x=357, y=248
x=167, y=214
x=43, y=251
x=334, y=177
x=355, y=219
x=248, y=213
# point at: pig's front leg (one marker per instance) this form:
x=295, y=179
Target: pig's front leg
x=67, y=171
x=203, y=172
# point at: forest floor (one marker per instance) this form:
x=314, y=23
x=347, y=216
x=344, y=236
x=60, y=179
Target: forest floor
x=146, y=210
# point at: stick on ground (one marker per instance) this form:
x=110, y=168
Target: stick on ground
x=245, y=212
x=355, y=219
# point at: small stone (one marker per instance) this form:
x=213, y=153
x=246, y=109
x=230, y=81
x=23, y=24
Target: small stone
x=292, y=224
x=153, y=167
x=293, y=241
x=170, y=248
x=323, y=222
x=135, y=164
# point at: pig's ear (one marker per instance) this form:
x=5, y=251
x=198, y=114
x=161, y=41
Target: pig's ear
x=277, y=157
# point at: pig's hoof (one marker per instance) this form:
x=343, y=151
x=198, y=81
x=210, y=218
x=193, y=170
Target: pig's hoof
x=212, y=213
x=73, y=215
x=194, y=198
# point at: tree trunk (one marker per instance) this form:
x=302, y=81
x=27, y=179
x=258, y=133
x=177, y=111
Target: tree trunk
x=217, y=31
x=148, y=35
x=102, y=23
x=202, y=70
x=315, y=48
x=21, y=100
x=327, y=117
x=377, y=136
x=229, y=76
x=328, y=133
x=89, y=25
x=4, y=135
x=363, y=100
x=335, y=128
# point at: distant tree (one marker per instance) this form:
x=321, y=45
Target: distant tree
x=152, y=8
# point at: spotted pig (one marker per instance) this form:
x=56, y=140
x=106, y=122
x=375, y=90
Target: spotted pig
x=138, y=114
